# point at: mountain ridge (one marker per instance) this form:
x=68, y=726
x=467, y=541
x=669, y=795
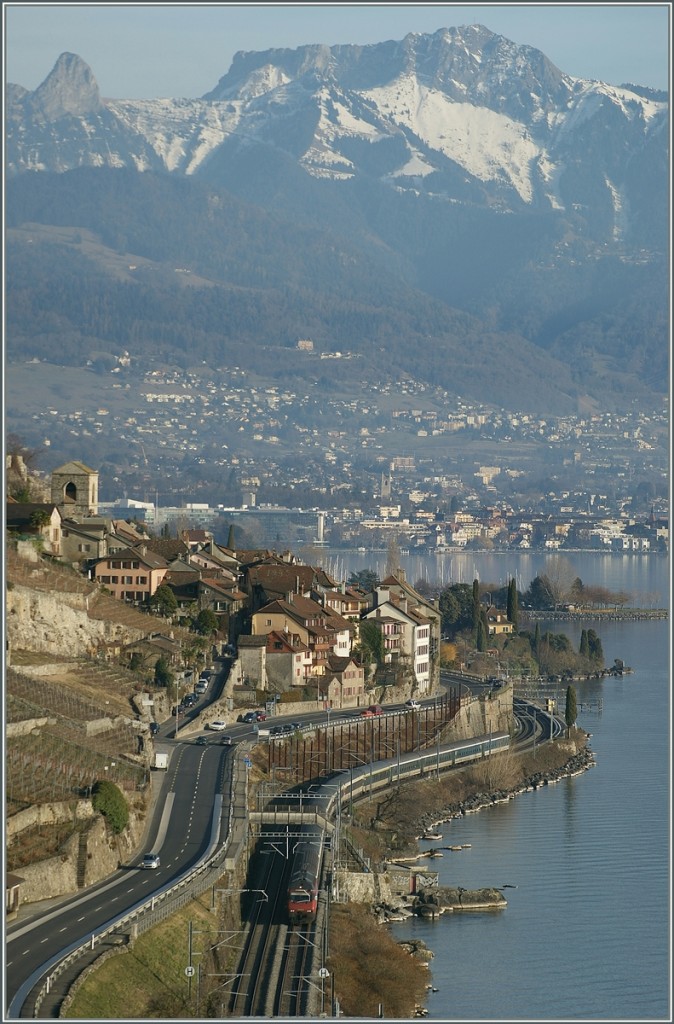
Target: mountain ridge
x=467, y=167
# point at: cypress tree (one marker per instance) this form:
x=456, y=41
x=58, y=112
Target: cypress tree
x=537, y=640
x=584, y=649
x=481, y=641
x=512, y=608
x=476, y=603
x=571, y=711
x=595, y=647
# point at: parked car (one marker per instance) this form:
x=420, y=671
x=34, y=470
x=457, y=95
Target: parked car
x=376, y=709
x=414, y=704
x=218, y=725
x=189, y=700
x=151, y=860
x=201, y=686
x=178, y=709
x=366, y=713
x=250, y=716
x=260, y=716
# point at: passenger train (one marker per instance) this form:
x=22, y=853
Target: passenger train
x=307, y=842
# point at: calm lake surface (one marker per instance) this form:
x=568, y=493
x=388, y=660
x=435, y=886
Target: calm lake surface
x=586, y=933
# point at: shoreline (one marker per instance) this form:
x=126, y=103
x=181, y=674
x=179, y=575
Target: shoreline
x=576, y=765
x=435, y=903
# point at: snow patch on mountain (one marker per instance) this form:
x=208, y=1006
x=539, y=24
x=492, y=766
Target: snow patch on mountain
x=416, y=167
x=487, y=144
x=183, y=133
x=620, y=218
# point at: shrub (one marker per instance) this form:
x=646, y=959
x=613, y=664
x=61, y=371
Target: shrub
x=109, y=801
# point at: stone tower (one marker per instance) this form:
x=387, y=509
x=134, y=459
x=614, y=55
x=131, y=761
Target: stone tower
x=74, y=490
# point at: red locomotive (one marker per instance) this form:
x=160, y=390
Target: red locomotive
x=305, y=872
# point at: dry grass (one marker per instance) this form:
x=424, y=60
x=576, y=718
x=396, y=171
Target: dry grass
x=370, y=968
x=390, y=823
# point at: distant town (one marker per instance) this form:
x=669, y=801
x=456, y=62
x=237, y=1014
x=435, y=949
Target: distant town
x=208, y=449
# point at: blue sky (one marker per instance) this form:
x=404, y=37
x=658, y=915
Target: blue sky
x=182, y=50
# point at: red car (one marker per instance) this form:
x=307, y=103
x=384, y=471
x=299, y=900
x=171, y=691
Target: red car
x=376, y=709
x=367, y=713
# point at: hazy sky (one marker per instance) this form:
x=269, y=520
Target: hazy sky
x=182, y=50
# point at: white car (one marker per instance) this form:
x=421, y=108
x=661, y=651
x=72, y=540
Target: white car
x=151, y=860
x=217, y=726
x=411, y=703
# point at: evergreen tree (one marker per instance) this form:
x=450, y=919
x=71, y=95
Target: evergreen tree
x=584, y=649
x=512, y=607
x=481, y=640
x=162, y=673
x=206, y=622
x=163, y=601
x=537, y=641
x=109, y=801
x=595, y=647
x=371, y=642
x=571, y=711
x=476, y=603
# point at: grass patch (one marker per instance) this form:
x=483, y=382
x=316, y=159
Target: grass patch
x=148, y=981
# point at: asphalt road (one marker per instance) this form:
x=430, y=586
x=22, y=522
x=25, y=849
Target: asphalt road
x=180, y=832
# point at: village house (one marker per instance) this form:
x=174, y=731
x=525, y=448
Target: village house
x=131, y=574
x=498, y=622
x=84, y=540
x=151, y=648
x=39, y=520
x=252, y=652
x=307, y=622
x=346, y=682
x=288, y=664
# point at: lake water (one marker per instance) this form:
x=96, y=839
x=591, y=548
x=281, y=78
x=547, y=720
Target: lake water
x=586, y=933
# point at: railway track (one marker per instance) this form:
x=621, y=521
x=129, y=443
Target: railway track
x=272, y=976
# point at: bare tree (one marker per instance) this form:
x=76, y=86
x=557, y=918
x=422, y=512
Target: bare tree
x=561, y=577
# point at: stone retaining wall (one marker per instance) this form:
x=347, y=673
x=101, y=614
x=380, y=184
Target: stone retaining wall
x=58, y=624
x=48, y=814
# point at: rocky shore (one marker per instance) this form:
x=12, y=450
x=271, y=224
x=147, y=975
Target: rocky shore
x=442, y=900
x=576, y=765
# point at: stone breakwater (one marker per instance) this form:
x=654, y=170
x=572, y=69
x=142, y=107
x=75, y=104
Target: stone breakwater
x=576, y=765
x=431, y=904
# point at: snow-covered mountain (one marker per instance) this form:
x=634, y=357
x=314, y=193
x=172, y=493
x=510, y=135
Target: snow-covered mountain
x=463, y=115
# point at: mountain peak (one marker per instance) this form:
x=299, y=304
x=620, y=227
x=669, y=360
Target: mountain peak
x=70, y=89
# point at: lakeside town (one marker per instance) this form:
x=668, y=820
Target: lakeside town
x=350, y=468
